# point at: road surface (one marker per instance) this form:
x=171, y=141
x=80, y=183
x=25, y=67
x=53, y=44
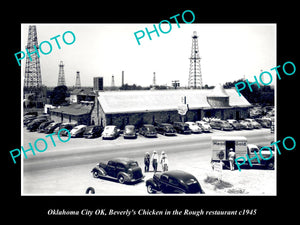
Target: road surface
x=65, y=169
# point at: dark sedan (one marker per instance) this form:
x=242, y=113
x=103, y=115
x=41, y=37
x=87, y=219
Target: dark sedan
x=182, y=128
x=129, y=132
x=175, y=181
x=148, y=130
x=165, y=129
x=51, y=127
x=43, y=126
x=93, y=131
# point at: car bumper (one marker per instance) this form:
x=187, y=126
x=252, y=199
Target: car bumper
x=129, y=135
x=132, y=180
x=187, y=132
x=170, y=133
x=227, y=128
x=150, y=135
x=88, y=136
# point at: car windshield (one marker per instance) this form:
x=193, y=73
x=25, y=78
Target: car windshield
x=225, y=123
x=150, y=128
x=52, y=124
x=89, y=129
x=133, y=164
x=129, y=128
x=109, y=128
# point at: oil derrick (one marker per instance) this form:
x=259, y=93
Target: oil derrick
x=195, y=76
x=33, y=76
x=77, y=83
x=61, y=75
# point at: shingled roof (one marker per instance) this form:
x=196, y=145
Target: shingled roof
x=74, y=109
x=162, y=100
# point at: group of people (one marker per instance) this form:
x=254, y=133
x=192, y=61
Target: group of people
x=155, y=159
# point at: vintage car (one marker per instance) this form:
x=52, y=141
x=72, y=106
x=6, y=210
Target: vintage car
x=78, y=131
x=34, y=125
x=182, y=128
x=174, y=181
x=93, y=131
x=246, y=125
x=51, y=127
x=110, y=132
x=194, y=127
x=122, y=169
x=221, y=125
x=129, y=132
x=204, y=126
x=66, y=126
x=165, y=129
x=43, y=126
x=254, y=123
x=264, y=122
x=235, y=124
x=148, y=130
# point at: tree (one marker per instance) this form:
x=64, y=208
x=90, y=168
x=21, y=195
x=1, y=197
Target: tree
x=58, y=95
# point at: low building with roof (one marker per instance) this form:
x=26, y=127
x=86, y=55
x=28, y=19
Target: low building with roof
x=77, y=113
x=121, y=108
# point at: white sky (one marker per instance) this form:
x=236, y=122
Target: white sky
x=228, y=52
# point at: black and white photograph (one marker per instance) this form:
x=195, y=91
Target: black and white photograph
x=161, y=115
x=139, y=123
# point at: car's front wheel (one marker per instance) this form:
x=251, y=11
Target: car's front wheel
x=150, y=189
x=96, y=174
x=121, y=179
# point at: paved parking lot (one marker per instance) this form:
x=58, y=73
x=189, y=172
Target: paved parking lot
x=65, y=169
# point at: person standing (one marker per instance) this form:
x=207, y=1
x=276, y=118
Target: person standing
x=231, y=157
x=154, y=160
x=147, y=161
x=164, y=161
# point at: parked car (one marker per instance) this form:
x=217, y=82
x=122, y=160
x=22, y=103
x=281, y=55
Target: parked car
x=148, y=130
x=165, y=129
x=235, y=124
x=246, y=125
x=129, y=132
x=68, y=126
x=255, y=124
x=110, y=132
x=204, y=126
x=122, y=169
x=194, y=127
x=28, y=118
x=35, y=113
x=43, y=125
x=34, y=125
x=264, y=122
x=78, y=131
x=51, y=127
x=221, y=125
x=174, y=181
x=182, y=128
x=93, y=131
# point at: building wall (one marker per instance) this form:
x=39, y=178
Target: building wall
x=65, y=118
x=138, y=119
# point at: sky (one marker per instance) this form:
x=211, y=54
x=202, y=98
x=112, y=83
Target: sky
x=228, y=52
